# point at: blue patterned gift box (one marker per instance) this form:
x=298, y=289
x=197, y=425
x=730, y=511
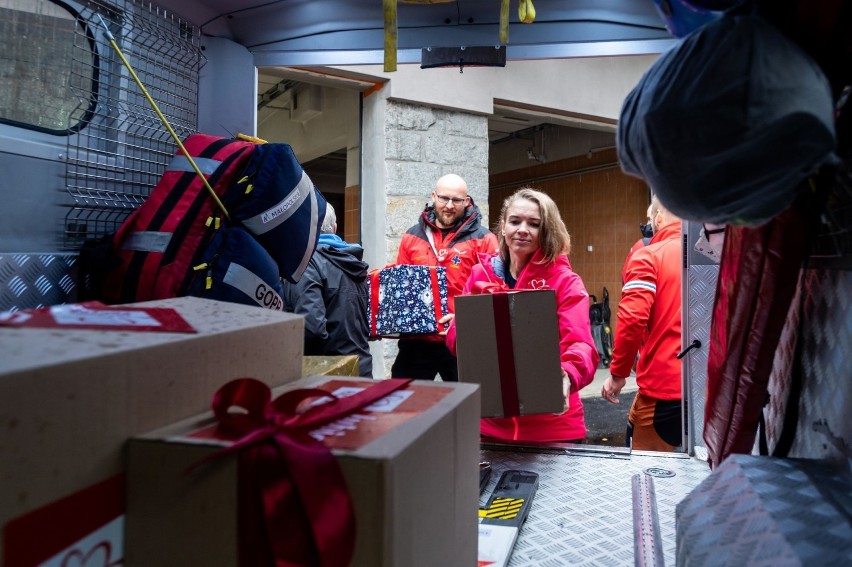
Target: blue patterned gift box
x=404, y=297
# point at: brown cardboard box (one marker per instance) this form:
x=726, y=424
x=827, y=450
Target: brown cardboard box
x=69, y=400
x=535, y=346
x=414, y=485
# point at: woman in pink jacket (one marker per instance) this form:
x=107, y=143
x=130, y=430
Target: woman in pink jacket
x=532, y=254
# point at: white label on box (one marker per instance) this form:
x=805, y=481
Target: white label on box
x=340, y=427
x=495, y=544
x=386, y=404
x=76, y=315
x=103, y=547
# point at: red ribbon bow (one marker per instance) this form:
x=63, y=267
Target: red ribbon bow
x=294, y=506
x=489, y=287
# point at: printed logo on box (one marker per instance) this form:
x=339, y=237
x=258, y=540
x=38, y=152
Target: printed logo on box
x=101, y=548
x=83, y=529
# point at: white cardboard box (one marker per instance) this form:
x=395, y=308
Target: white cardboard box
x=70, y=399
x=414, y=484
x=534, y=348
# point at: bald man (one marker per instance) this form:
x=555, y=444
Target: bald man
x=449, y=233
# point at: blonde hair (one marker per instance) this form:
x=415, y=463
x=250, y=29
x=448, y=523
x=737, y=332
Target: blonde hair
x=553, y=236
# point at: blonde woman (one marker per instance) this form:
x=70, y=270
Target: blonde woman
x=532, y=254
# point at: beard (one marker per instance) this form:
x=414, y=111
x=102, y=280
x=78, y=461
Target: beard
x=446, y=219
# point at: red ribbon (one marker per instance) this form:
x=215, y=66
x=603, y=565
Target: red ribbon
x=436, y=297
x=506, y=355
x=489, y=287
x=294, y=506
x=505, y=347
x=374, y=300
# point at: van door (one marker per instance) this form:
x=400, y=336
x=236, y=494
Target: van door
x=700, y=274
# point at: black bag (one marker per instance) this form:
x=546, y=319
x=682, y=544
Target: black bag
x=599, y=315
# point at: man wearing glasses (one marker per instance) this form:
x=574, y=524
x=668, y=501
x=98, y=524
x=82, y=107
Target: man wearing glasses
x=449, y=233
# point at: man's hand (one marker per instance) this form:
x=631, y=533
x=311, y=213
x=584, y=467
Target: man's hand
x=611, y=388
x=445, y=320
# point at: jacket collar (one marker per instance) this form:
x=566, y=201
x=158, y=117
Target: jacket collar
x=496, y=268
x=667, y=231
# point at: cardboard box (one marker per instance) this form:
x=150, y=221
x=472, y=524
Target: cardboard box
x=70, y=399
x=407, y=300
x=521, y=355
x=412, y=474
x=337, y=365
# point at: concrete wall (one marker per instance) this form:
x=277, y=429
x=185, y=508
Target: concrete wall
x=422, y=144
x=333, y=126
x=588, y=90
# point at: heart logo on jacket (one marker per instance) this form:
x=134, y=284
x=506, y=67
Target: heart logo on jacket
x=538, y=284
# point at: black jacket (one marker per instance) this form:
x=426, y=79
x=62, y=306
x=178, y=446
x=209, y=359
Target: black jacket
x=332, y=294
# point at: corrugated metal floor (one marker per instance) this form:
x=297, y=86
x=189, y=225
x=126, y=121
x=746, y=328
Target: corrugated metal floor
x=582, y=513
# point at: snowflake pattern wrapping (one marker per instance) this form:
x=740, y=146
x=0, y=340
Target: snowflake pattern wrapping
x=402, y=300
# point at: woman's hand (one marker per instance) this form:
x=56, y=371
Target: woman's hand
x=566, y=388
x=445, y=321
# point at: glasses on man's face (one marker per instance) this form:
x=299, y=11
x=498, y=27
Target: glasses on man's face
x=712, y=229
x=456, y=200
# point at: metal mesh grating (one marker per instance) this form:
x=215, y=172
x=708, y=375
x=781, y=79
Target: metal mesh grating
x=118, y=157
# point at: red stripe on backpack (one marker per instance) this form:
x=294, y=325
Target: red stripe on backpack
x=159, y=242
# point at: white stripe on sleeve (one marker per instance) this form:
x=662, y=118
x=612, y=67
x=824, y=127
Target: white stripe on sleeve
x=639, y=284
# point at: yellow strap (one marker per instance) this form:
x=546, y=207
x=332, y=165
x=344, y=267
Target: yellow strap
x=504, y=22
x=389, y=7
x=247, y=138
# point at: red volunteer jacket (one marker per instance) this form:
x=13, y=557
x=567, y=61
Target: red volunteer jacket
x=649, y=317
x=638, y=245
x=424, y=244
x=578, y=353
